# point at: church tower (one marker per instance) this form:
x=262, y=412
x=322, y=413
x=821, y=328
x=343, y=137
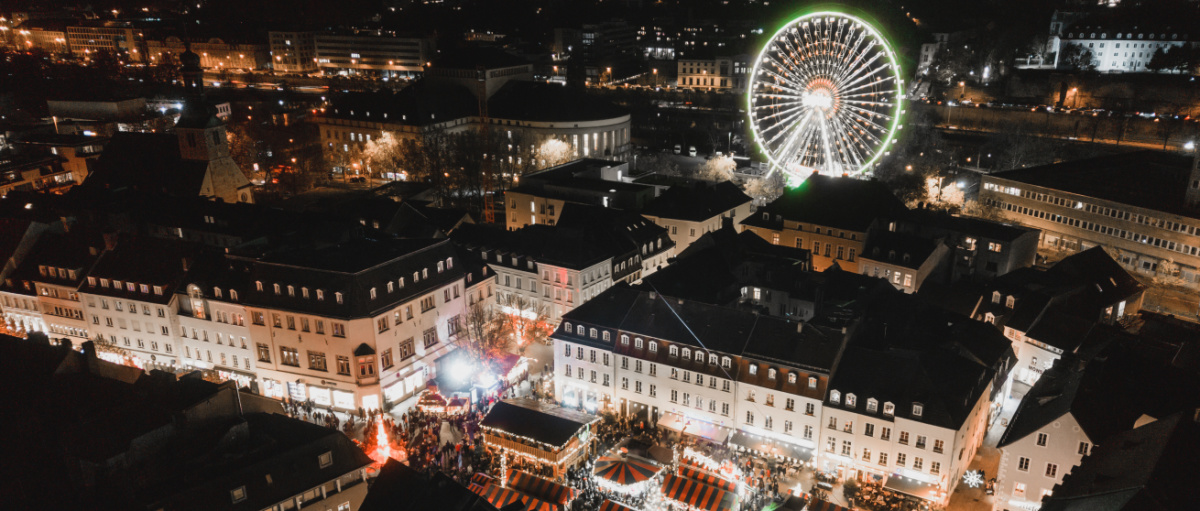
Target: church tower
x=201, y=136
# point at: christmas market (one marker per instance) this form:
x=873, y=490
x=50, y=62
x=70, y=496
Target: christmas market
x=537, y=432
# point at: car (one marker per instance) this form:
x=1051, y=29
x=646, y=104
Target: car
x=692, y=151
x=678, y=148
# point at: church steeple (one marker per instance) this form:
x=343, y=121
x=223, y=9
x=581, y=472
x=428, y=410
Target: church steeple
x=191, y=72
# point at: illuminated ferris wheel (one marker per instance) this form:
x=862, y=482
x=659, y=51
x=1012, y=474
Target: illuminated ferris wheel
x=824, y=95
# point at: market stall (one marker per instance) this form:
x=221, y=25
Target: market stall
x=697, y=495
x=764, y=446
x=499, y=497
x=540, y=488
x=538, y=432
x=912, y=487
x=621, y=471
x=609, y=505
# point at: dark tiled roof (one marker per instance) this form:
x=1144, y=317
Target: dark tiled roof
x=905, y=351
x=400, y=488
x=473, y=57
x=544, y=102
x=1145, y=469
x=558, y=246
x=420, y=104
x=843, y=203
x=899, y=248
x=148, y=162
x=142, y=260
x=975, y=227
x=699, y=201
x=75, y=250
x=549, y=424
x=1152, y=180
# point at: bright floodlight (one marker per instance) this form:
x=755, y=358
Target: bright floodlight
x=824, y=95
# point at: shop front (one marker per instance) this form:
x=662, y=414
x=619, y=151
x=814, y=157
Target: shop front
x=698, y=428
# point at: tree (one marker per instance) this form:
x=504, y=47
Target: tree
x=522, y=321
x=717, y=169
x=553, y=152
x=943, y=195
x=764, y=189
x=1075, y=56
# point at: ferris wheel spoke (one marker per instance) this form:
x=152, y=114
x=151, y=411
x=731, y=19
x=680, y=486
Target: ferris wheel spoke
x=859, y=117
x=862, y=71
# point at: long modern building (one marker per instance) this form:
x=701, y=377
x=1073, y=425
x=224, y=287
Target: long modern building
x=389, y=55
x=1143, y=207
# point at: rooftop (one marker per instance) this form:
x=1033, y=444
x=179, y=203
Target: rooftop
x=696, y=202
x=546, y=423
x=1153, y=180
x=843, y=203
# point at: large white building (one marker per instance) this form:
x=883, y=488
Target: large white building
x=712, y=371
x=692, y=210
x=1119, y=49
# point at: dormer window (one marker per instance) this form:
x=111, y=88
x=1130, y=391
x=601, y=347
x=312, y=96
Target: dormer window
x=1010, y=302
x=401, y=282
x=232, y=295
x=217, y=292
x=872, y=405
x=792, y=378
x=567, y=327
x=144, y=288
x=989, y=318
x=416, y=277
x=996, y=297
x=304, y=292
x=237, y=494
x=699, y=356
x=624, y=340
x=441, y=267
x=637, y=343
x=338, y=297
x=771, y=374
x=391, y=286
x=593, y=333
x=687, y=353
x=450, y=263
x=712, y=359
x=92, y=281
x=320, y=295
x=753, y=369
x=653, y=346
x=674, y=351
x=726, y=362
x=277, y=288
x=835, y=397
x=605, y=336
x=918, y=409
x=258, y=285
x=424, y=273
x=889, y=409
x=291, y=290
x=373, y=294
x=812, y=382
x=851, y=400
x=579, y=330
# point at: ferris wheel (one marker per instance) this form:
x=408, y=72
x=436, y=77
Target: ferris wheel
x=824, y=95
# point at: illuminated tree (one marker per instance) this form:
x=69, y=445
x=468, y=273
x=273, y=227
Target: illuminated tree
x=717, y=169
x=522, y=321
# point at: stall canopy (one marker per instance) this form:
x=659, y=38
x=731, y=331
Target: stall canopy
x=696, y=494
x=694, y=427
x=540, y=488
x=821, y=505
x=482, y=479
x=771, y=447
x=625, y=469
x=913, y=487
x=501, y=497
x=549, y=424
x=609, y=505
x=707, y=478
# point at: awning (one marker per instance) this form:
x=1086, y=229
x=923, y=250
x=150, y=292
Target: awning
x=540, y=487
x=913, y=487
x=625, y=470
x=500, y=497
x=821, y=505
x=696, y=494
x=609, y=505
x=771, y=447
x=707, y=478
x=695, y=427
x=482, y=479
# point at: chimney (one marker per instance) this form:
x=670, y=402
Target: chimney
x=653, y=295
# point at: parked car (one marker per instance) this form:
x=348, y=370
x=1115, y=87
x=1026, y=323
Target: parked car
x=678, y=148
x=692, y=151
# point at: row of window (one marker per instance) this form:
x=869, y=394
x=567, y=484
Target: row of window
x=835, y=397
x=1103, y=35
x=1099, y=228
x=141, y=344
x=131, y=287
x=1119, y=214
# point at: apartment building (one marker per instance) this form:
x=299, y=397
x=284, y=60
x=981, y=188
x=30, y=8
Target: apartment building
x=116, y=37
x=50, y=276
x=386, y=54
x=912, y=396
x=131, y=301
x=673, y=361
x=292, y=51
x=714, y=73
x=1121, y=46
x=215, y=53
x=903, y=259
x=585, y=181
x=828, y=216
x=692, y=210
x=1140, y=206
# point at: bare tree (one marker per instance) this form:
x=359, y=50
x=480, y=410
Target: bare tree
x=717, y=169
x=523, y=321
